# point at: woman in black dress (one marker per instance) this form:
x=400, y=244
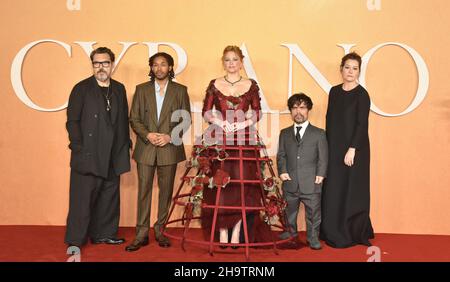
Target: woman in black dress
x=346, y=191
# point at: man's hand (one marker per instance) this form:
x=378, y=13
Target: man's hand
x=285, y=177
x=162, y=140
x=152, y=137
x=319, y=179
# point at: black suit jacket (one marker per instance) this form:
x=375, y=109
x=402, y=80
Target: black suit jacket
x=97, y=138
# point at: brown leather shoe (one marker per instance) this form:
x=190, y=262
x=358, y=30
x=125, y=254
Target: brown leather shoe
x=163, y=241
x=293, y=244
x=136, y=245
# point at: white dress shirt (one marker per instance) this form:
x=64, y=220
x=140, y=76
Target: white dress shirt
x=303, y=125
x=159, y=98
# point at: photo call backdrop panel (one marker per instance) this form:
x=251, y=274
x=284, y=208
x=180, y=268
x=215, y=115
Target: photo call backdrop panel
x=289, y=47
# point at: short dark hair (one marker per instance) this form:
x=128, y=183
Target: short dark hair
x=103, y=50
x=298, y=99
x=351, y=56
x=169, y=60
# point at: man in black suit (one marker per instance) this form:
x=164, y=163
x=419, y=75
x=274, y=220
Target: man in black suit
x=302, y=161
x=97, y=123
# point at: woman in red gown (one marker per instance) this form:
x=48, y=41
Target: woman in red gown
x=234, y=186
x=237, y=107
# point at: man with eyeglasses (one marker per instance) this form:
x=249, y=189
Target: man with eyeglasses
x=97, y=123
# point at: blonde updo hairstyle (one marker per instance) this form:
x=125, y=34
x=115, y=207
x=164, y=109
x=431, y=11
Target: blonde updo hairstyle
x=235, y=49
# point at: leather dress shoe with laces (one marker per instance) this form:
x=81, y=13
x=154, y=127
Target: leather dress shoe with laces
x=290, y=245
x=136, y=245
x=163, y=241
x=109, y=241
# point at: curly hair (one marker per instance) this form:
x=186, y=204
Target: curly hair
x=169, y=60
x=298, y=99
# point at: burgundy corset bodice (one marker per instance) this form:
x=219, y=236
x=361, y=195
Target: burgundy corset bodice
x=224, y=103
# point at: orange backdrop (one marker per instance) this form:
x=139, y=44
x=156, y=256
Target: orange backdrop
x=410, y=153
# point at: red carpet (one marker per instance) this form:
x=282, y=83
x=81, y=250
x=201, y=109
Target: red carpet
x=46, y=244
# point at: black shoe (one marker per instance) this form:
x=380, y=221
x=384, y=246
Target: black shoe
x=235, y=247
x=315, y=244
x=163, y=242
x=136, y=245
x=223, y=247
x=109, y=241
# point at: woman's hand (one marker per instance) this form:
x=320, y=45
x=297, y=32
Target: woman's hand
x=349, y=158
x=224, y=124
x=241, y=125
x=227, y=127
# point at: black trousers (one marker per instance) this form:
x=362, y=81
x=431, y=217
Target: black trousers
x=94, y=207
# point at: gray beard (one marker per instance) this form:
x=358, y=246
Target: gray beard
x=102, y=77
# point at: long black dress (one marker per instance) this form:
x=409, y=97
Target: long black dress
x=346, y=191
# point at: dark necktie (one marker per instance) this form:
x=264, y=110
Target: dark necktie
x=297, y=136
